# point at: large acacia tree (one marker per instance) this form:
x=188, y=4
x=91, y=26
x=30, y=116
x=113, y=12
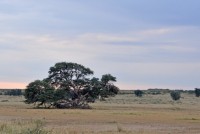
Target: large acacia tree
x=69, y=86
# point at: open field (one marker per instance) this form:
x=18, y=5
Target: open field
x=123, y=114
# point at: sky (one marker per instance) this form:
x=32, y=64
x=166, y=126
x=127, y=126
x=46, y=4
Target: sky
x=144, y=43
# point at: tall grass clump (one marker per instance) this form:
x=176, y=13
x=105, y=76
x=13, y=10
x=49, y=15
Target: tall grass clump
x=23, y=127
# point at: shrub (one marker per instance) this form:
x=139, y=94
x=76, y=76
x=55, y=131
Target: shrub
x=197, y=92
x=175, y=95
x=138, y=93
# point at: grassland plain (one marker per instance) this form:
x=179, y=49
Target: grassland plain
x=123, y=114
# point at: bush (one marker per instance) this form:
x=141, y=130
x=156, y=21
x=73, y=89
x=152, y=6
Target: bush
x=138, y=93
x=175, y=95
x=197, y=92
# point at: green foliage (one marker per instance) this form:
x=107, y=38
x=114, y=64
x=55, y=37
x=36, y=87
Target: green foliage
x=39, y=92
x=69, y=86
x=197, y=92
x=61, y=94
x=138, y=93
x=107, y=78
x=175, y=95
x=107, y=88
x=69, y=76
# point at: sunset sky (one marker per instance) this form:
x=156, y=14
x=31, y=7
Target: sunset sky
x=144, y=43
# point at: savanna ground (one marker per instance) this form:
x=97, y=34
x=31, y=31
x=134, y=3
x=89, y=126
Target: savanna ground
x=123, y=114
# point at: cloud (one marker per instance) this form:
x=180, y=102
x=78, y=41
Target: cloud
x=96, y=45
x=138, y=41
x=157, y=32
x=155, y=56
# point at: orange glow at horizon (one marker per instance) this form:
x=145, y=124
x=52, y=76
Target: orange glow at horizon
x=10, y=85
x=126, y=86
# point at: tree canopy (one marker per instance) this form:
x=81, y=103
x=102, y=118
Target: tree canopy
x=69, y=86
x=39, y=93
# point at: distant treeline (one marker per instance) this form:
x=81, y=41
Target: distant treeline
x=13, y=92
x=156, y=91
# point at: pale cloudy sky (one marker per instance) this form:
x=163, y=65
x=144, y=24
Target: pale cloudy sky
x=144, y=43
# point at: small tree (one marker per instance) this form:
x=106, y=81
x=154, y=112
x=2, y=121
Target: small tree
x=197, y=92
x=107, y=87
x=175, y=95
x=138, y=93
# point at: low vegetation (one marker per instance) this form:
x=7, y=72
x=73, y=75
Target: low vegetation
x=138, y=93
x=23, y=127
x=175, y=95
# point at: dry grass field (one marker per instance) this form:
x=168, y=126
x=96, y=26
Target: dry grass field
x=123, y=114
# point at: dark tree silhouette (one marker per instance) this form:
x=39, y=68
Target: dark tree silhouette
x=197, y=92
x=175, y=95
x=138, y=93
x=69, y=86
x=39, y=93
